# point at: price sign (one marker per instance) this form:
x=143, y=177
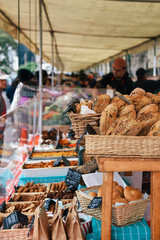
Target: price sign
x=73, y=178
x=62, y=158
x=95, y=203
x=13, y=218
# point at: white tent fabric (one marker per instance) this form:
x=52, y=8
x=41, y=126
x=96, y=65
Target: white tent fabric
x=86, y=32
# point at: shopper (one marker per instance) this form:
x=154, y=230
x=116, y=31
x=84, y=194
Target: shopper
x=142, y=82
x=119, y=78
x=3, y=78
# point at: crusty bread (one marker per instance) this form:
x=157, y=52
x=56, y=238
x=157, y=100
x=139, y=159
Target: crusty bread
x=140, y=101
x=128, y=111
x=108, y=115
x=116, y=194
x=138, y=91
x=125, y=126
x=148, y=119
x=99, y=192
x=100, y=102
x=148, y=108
x=155, y=129
x=118, y=102
x=88, y=104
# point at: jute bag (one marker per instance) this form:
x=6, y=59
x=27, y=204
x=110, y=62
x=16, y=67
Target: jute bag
x=73, y=228
x=41, y=225
x=58, y=231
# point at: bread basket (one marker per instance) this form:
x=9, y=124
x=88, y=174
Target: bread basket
x=80, y=121
x=121, y=215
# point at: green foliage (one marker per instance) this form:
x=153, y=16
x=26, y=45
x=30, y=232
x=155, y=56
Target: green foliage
x=6, y=41
x=31, y=66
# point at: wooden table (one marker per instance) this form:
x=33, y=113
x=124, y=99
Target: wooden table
x=108, y=165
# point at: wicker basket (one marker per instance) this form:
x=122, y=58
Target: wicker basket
x=80, y=121
x=15, y=234
x=121, y=215
x=122, y=146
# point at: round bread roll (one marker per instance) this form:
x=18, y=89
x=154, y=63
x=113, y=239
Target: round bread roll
x=108, y=115
x=99, y=192
x=119, y=200
x=93, y=194
x=116, y=194
x=149, y=108
x=132, y=194
x=100, y=102
x=128, y=111
x=138, y=91
x=148, y=119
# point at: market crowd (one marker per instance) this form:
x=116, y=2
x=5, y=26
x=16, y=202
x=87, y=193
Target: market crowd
x=26, y=84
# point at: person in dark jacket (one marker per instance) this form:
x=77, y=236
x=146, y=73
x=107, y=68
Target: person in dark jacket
x=148, y=85
x=119, y=78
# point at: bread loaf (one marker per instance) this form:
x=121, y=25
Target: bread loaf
x=148, y=108
x=108, y=115
x=140, y=101
x=100, y=102
x=93, y=194
x=138, y=91
x=148, y=119
x=88, y=104
x=128, y=111
x=155, y=129
x=132, y=194
x=125, y=126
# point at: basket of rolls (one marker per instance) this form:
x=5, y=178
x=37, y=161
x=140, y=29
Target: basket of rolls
x=88, y=112
x=128, y=204
x=129, y=126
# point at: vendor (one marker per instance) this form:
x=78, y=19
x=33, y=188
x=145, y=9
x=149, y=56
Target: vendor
x=118, y=79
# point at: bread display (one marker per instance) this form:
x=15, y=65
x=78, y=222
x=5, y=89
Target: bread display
x=132, y=194
x=24, y=208
x=133, y=118
x=53, y=154
x=155, y=129
x=31, y=187
x=61, y=186
x=47, y=164
x=20, y=197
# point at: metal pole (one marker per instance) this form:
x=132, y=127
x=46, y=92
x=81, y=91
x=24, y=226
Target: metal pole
x=18, y=36
x=40, y=66
x=154, y=59
x=52, y=59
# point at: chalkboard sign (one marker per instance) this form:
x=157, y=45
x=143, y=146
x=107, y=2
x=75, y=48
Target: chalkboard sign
x=62, y=158
x=13, y=218
x=3, y=207
x=95, y=203
x=73, y=178
x=59, y=146
x=88, y=130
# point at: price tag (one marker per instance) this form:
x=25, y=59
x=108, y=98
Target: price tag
x=95, y=203
x=59, y=146
x=13, y=218
x=73, y=178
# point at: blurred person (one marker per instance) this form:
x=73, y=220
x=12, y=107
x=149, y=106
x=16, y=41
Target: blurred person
x=44, y=77
x=11, y=89
x=3, y=77
x=148, y=85
x=118, y=79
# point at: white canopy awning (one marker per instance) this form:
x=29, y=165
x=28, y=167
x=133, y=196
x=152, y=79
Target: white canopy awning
x=85, y=31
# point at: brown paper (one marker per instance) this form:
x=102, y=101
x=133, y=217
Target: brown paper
x=58, y=231
x=73, y=228
x=41, y=225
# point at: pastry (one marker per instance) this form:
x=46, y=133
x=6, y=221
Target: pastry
x=132, y=194
x=100, y=102
x=128, y=111
x=148, y=108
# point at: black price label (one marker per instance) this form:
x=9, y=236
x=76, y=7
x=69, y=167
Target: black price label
x=73, y=178
x=59, y=146
x=66, y=162
x=57, y=162
x=13, y=218
x=95, y=203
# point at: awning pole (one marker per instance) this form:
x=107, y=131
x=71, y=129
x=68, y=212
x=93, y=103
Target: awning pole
x=154, y=59
x=18, y=35
x=40, y=66
x=52, y=59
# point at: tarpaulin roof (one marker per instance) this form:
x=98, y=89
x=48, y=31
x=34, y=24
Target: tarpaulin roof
x=85, y=31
